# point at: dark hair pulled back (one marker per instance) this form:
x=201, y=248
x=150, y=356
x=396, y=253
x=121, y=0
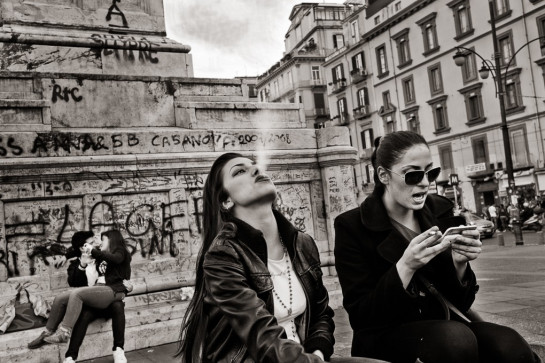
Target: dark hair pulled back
x=389, y=149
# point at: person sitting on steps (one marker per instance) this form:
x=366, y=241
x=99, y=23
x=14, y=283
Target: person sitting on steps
x=90, y=268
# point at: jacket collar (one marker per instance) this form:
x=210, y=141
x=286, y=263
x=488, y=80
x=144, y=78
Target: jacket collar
x=254, y=240
x=375, y=218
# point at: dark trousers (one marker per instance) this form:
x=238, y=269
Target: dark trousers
x=115, y=310
x=452, y=342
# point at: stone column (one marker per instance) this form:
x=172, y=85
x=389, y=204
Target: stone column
x=4, y=265
x=336, y=159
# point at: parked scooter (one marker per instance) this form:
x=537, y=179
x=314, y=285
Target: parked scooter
x=535, y=222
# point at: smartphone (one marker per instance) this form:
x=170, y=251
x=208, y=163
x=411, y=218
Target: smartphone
x=457, y=230
x=454, y=230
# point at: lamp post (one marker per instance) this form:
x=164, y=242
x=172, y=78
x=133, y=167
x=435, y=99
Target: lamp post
x=496, y=71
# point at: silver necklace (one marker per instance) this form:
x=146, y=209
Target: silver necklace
x=289, y=286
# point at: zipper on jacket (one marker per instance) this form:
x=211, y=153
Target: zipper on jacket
x=236, y=356
x=307, y=310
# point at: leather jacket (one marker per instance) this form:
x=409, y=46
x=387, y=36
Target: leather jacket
x=238, y=301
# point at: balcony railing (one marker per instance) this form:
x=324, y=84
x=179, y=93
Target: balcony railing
x=338, y=85
x=318, y=112
x=342, y=119
x=361, y=111
x=317, y=82
x=358, y=74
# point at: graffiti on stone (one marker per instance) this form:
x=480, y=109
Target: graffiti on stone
x=294, y=203
x=45, y=143
x=114, y=10
x=147, y=222
x=65, y=94
x=161, y=222
x=124, y=46
x=66, y=144
x=8, y=146
x=37, y=234
x=195, y=208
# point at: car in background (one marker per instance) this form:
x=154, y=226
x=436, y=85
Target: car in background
x=485, y=227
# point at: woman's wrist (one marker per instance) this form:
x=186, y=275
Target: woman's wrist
x=461, y=268
x=319, y=354
x=405, y=272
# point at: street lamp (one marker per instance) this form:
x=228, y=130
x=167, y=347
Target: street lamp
x=495, y=69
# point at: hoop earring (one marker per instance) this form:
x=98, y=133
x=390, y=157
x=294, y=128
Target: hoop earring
x=226, y=206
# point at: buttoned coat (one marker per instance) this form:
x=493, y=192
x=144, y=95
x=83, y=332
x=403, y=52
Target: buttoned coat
x=367, y=248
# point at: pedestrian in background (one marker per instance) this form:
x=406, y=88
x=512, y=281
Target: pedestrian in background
x=407, y=290
x=113, y=269
x=504, y=218
x=492, y=212
x=83, y=270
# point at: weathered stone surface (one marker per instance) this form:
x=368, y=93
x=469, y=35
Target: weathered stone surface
x=93, y=142
x=332, y=136
x=142, y=15
x=89, y=103
x=206, y=115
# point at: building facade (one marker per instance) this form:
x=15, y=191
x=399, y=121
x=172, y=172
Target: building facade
x=315, y=31
x=403, y=77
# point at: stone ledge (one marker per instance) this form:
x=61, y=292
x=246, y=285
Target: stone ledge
x=147, y=325
x=243, y=105
x=98, y=344
x=23, y=103
x=120, y=77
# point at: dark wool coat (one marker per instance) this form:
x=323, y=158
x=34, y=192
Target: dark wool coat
x=367, y=247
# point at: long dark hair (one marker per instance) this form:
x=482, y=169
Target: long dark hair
x=116, y=240
x=389, y=149
x=215, y=218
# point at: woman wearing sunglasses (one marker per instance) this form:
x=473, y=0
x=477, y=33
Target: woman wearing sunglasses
x=406, y=289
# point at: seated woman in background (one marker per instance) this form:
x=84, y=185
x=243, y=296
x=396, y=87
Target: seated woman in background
x=259, y=294
x=401, y=281
x=112, y=267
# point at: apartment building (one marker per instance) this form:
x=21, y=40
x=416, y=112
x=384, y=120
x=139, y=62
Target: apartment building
x=315, y=32
x=402, y=76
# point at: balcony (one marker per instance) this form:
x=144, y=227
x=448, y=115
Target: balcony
x=317, y=83
x=361, y=112
x=338, y=86
x=321, y=112
x=309, y=83
x=317, y=113
x=342, y=119
x=358, y=75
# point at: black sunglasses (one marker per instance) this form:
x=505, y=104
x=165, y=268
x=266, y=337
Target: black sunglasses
x=414, y=177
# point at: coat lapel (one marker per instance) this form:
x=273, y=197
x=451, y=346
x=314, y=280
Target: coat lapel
x=393, y=246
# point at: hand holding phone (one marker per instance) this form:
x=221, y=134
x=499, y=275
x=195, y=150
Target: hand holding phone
x=457, y=230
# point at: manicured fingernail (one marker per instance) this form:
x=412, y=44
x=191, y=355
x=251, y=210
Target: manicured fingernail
x=432, y=233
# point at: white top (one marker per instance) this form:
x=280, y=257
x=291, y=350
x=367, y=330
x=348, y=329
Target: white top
x=92, y=273
x=279, y=275
x=492, y=211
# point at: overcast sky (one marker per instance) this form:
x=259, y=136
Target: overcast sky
x=231, y=38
